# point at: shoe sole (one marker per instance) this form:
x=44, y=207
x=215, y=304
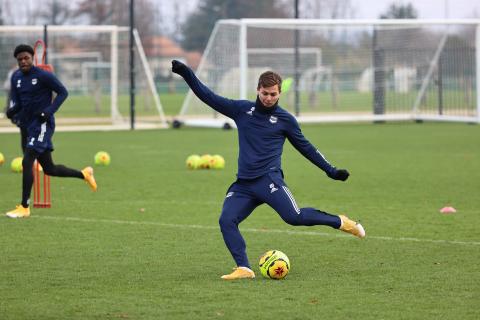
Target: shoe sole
x=226, y=277
x=90, y=181
x=14, y=216
x=91, y=186
x=361, y=231
x=239, y=278
x=89, y=178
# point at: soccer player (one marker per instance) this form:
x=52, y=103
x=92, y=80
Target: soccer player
x=31, y=98
x=263, y=127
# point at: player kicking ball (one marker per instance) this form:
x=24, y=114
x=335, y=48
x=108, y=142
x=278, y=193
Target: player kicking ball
x=31, y=101
x=263, y=127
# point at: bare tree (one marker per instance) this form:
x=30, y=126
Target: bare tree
x=55, y=12
x=15, y=14
x=400, y=11
x=330, y=9
x=96, y=12
x=199, y=24
x=115, y=12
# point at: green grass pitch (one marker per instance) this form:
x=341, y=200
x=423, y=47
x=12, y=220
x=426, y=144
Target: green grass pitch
x=147, y=244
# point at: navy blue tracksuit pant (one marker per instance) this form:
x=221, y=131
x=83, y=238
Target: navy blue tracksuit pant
x=244, y=196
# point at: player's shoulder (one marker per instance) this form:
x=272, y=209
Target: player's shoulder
x=285, y=117
x=44, y=75
x=41, y=72
x=246, y=105
x=281, y=112
x=17, y=74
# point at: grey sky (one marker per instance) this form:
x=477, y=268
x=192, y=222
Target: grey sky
x=175, y=11
x=369, y=9
x=366, y=9
x=427, y=9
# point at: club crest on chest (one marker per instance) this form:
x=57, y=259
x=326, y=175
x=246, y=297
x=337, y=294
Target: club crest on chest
x=273, y=119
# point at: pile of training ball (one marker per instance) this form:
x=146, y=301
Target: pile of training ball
x=206, y=161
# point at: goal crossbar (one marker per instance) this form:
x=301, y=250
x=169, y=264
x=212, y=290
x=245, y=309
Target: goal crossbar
x=402, y=65
x=93, y=58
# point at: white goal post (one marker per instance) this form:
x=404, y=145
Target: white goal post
x=365, y=70
x=93, y=64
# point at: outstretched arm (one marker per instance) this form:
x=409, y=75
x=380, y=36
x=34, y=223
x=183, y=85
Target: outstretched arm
x=297, y=139
x=223, y=105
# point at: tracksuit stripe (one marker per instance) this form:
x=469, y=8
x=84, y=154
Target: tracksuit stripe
x=292, y=200
x=43, y=129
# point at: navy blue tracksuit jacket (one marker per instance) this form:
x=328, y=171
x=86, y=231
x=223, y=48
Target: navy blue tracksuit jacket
x=261, y=133
x=31, y=94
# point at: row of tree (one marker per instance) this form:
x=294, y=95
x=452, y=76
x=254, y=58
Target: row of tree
x=190, y=25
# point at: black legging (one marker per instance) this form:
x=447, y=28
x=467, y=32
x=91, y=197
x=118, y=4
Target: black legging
x=49, y=168
x=23, y=138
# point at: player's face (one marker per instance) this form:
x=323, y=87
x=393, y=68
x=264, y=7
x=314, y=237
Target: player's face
x=25, y=61
x=268, y=96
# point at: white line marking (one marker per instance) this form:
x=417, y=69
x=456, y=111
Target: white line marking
x=255, y=230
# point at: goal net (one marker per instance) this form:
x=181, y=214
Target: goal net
x=93, y=64
x=346, y=70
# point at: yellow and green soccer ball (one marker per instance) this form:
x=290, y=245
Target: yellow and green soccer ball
x=206, y=161
x=274, y=264
x=193, y=162
x=218, y=162
x=2, y=159
x=102, y=158
x=16, y=164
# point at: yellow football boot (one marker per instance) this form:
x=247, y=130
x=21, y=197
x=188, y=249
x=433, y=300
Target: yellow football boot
x=352, y=227
x=88, y=177
x=19, y=212
x=239, y=273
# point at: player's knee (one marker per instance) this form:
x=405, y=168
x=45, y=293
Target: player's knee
x=49, y=170
x=226, y=222
x=293, y=219
x=294, y=222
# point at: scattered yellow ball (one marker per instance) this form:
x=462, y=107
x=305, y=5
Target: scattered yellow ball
x=16, y=164
x=206, y=161
x=218, y=162
x=102, y=158
x=193, y=162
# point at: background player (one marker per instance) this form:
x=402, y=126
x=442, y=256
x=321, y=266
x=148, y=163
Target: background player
x=31, y=96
